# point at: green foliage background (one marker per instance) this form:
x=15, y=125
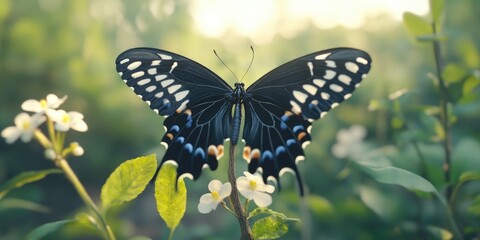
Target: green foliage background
x=69, y=48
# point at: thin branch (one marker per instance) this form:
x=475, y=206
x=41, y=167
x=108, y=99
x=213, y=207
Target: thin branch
x=235, y=200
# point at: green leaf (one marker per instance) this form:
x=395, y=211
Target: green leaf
x=401, y=177
x=474, y=208
x=320, y=206
x=11, y=203
x=261, y=210
x=128, y=181
x=469, y=52
x=48, y=228
x=24, y=178
x=171, y=198
x=417, y=25
x=271, y=227
x=470, y=83
x=437, y=10
x=453, y=73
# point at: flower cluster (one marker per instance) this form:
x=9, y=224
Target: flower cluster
x=46, y=110
x=251, y=186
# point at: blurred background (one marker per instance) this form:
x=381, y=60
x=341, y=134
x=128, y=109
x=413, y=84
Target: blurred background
x=69, y=48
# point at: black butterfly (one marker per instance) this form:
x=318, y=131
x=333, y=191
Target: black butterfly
x=279, y=107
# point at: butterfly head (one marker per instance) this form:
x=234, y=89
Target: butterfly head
x=238, y=93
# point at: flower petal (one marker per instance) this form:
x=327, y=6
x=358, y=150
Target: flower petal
x=226, y=190
x=21, y=118
x=265, y=188
x=214, y=185
x=11, y=134
x=205, y=207
x=31, y=105
x=247, y=193
x=206, y=198
x=79, y=125
x=262, y=199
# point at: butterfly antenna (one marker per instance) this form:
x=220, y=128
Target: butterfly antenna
x=249, y=65
x=225, y=65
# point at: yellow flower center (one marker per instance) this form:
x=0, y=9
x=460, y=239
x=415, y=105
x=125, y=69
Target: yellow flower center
x=25, y=125
x=216, y=196
x=66, y=118
x=253, y=185
x=43, y=103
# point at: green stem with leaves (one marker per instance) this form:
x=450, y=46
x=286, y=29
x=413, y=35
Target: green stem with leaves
x=447, y=142
x=61, y=163
x=234, y=198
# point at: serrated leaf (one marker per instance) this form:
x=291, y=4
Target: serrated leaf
x=24, y=178
x=437, y=10
x=271, y=227
x=417, y=25
x=171, y=201
x=261, y=210
x=453, y=73
x=128, y=180
x=48, y=228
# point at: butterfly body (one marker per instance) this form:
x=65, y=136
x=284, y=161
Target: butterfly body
x=202, y=110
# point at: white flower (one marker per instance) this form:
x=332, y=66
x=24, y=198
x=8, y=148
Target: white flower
x=349, y=142
x=25, y=126
x=42, y=106
x=77, y=150
x=252, y=187
x=64, y=121
x=218, y=191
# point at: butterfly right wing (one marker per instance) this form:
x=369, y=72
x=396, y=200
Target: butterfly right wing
x=191, y=97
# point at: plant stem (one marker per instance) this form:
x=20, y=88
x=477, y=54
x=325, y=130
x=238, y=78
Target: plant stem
x=447, y=142
x=65, y=167
x=235, y=200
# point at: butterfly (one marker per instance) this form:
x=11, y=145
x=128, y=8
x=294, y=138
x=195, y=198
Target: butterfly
x=202, y=111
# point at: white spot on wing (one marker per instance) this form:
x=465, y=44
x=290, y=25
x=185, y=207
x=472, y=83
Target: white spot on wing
x=183, y=106
x=319, y=82
x=310, y=89
x=152, y=71
x=159, y=95
x=352, y=67
x=174, y=65
x=336, y=88
x=150, y=88
x=329, y=74
x=325, y=95
x=181, y=95
x=310, y=67
x=305, y=144
x=323, y=114
x=166, y=82
x=156, y=111
x=295, y=108
x=160, y=77
x=164, y=56
x=124, y=61
x=143, y=81
x=156, y=62
x=300, y=96
x=362, y=60
x=345, y=79
x=138, y=74
x=134, y=65
x=334, y=105
x=322, y=56
x=330, y=63
x=299, y=158
x=284, y=170
x=186, y=175
x=347, y=96
x=174, y=88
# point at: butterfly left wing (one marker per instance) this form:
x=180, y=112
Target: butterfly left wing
x=280, y=106
x=191, y=97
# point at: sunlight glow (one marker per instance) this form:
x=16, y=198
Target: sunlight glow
x=260, y=20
